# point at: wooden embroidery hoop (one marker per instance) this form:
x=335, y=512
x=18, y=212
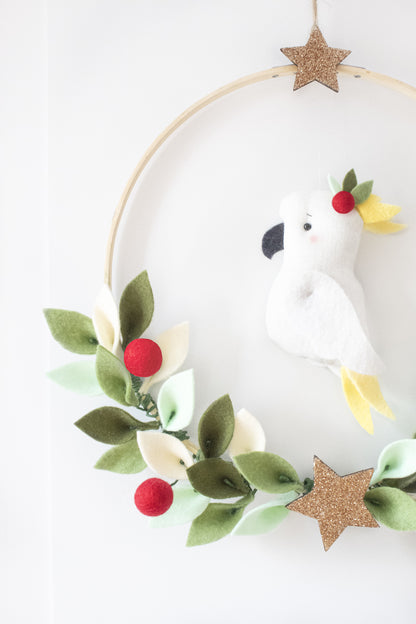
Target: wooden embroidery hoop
x=274, y=72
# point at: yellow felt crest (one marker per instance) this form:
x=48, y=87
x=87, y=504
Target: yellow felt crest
x=377, y=216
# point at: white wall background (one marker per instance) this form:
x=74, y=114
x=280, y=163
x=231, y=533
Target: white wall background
x=76, y=548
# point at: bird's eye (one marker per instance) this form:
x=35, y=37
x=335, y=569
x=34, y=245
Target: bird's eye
x=307, y=226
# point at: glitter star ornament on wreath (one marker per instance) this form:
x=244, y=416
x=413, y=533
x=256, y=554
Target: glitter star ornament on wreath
x=315, y=310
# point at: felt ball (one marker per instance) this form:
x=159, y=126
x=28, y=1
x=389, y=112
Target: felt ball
x=153, y=497
x=343, y=202
x=143, y=357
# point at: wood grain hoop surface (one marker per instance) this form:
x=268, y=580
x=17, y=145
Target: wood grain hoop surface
x=274, y=72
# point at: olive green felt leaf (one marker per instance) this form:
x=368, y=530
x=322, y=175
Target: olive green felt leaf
x=175, y=402
x=407, y=484
x=334, y=185
x=217, y=478
x=187, y=505
x=74, y=331
x=260, y=520
x=112, y=425
x=114, y=378
x=362, y=192
x=217, y=521
x=216, y=427
x=392, y=507
x=124, y=459
x=350, y=181
x=268, y=472
x=78, y=377
x=396, y=460
x=136, y=308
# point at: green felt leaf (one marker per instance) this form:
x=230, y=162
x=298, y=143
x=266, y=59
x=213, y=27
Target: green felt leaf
x=268, y=472
x=392, y=507
x=111, y=425
x=350, y=181
x=187, y=505
x=114, y=378
x=176, y=401
x=396, y=460
x=334, y=185
x=124, y=459
x=407, y=484
x=217, y=478
x=74, y=331
x=136, y=308
x=362, y=192
x=78, y=377
x=217, y=521
x=216, y=427
x=260, y=520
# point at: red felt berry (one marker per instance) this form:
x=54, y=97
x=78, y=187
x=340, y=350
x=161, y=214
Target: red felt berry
x=143, y=357
x=153, y=497
x=343, y=202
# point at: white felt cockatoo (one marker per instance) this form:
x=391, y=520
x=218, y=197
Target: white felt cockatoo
x=316, y=306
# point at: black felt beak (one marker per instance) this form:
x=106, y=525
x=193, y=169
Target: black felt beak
x=273, y=240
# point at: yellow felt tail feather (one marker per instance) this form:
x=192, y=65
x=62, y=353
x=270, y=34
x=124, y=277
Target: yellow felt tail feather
x=377, y=216
x=384, y=227
x=359, y=406
x=363, y=392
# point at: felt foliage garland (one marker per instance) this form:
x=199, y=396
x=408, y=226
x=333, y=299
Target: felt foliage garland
x=210, y=484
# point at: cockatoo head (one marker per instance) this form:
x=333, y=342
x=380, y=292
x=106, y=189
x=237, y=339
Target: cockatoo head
x=313, y=234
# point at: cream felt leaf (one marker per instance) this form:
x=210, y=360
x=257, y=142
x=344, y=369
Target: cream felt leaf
x=373, y=210
x=123, y=459
x=262, y=519
x=334, y=185
x=393, y=508
x=106, y=320
x=248, y=434
x=174, y=344
x=78, y=377
x=187, y=505
x=217, y=521
x=396, y=460
x=384, y=227
x=176, y=401
x=164, y=454
x=114, y=377
x=74, y=331
x=268, y=472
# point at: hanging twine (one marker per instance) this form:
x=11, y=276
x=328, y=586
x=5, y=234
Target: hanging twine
x=315, y=12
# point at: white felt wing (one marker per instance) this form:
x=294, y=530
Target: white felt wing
x=331, y=326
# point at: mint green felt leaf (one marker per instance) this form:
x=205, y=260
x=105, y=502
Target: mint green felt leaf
x=285, y=498
x=78, y=377
x=114, y=378
x=217, y=521
x=268, y=472
x=362, y=192
x=187, y=505
x=176, y=401
x=111, y=425
x=260, y=520
x=395, y=461
x=124, y=459
x=392, y=507
x=217, y=478
x=136, y=308
x=350, y=181
x=334, y=185
x=74, y=331
x=216, y=427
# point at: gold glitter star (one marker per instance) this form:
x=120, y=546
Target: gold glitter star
x=336, y=502
x=316, y=61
